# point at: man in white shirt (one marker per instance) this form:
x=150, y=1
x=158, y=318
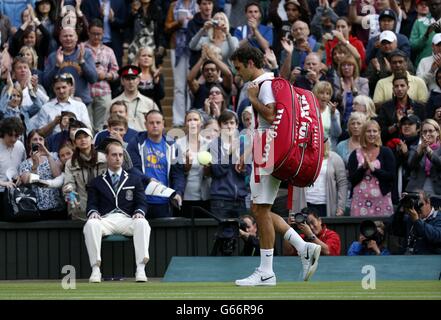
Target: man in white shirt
x=248, y=62
x=12, y=152
x=428, y=65
x=49, y=117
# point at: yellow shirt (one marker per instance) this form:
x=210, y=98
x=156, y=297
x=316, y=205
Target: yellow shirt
x=417, y=89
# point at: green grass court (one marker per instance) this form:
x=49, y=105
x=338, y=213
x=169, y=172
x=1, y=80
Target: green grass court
x=157, y=290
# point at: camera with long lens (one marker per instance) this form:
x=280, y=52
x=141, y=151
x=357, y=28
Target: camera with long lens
x=226, y=237
x=300, y=217
x=369, y=230
x=411, y=201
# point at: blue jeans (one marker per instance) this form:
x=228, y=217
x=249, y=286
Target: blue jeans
x=227, y=209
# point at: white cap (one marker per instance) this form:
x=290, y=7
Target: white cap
x=296, y=2
x=84, y=130
x=388, y=36
x=436, y=39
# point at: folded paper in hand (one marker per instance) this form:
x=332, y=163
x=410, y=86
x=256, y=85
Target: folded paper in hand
x=154, y=188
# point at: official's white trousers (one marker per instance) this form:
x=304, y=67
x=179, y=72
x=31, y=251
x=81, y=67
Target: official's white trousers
x=117, y=223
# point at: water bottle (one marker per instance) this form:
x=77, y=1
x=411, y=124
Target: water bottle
x=71, y=199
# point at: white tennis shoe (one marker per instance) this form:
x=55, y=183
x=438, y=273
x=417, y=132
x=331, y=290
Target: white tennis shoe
x=258, y=278
x=140, y=274
x=309, y=258
x=95, y=277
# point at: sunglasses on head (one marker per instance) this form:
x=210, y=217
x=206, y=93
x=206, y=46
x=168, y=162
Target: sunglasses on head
x=64, y=77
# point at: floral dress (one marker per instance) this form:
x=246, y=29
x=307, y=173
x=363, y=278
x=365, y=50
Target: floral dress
x=367, y=199
x=47, y=198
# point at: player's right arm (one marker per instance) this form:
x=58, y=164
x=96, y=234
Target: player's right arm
x=266, y=111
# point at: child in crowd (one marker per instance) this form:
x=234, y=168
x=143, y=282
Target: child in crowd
x=328, y=109
x=117, y=127
x=228, y=172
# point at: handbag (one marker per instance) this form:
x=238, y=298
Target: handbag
x=20, y=204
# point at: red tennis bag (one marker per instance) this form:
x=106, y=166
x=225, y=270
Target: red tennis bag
x=292, y=148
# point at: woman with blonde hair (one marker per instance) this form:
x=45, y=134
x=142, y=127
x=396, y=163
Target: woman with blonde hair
x=425, y=160
x=31, y=55
x=371, y=173
x=151, y=82
x=328, y=109
x=215, y=32
x=364, y=104
x=197, y=187
x=355, y=123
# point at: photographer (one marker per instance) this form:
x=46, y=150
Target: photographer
x=370, y=241
x=312, y=229
x=248, y=233
x=296, y=45
x=48, y=119
x=419, y=223
x=68, y=124
x=47, y=166
x=215, y=32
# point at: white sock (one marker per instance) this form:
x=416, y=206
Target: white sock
x=95, y=268
x=266, y=260
x=140, y=267
x=293, y=237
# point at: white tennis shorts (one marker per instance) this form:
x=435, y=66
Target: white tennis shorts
x=264, y=192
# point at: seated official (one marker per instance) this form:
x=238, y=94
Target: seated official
x=116, y=205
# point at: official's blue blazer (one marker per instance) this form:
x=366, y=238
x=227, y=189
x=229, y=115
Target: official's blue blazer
x=129, y=196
